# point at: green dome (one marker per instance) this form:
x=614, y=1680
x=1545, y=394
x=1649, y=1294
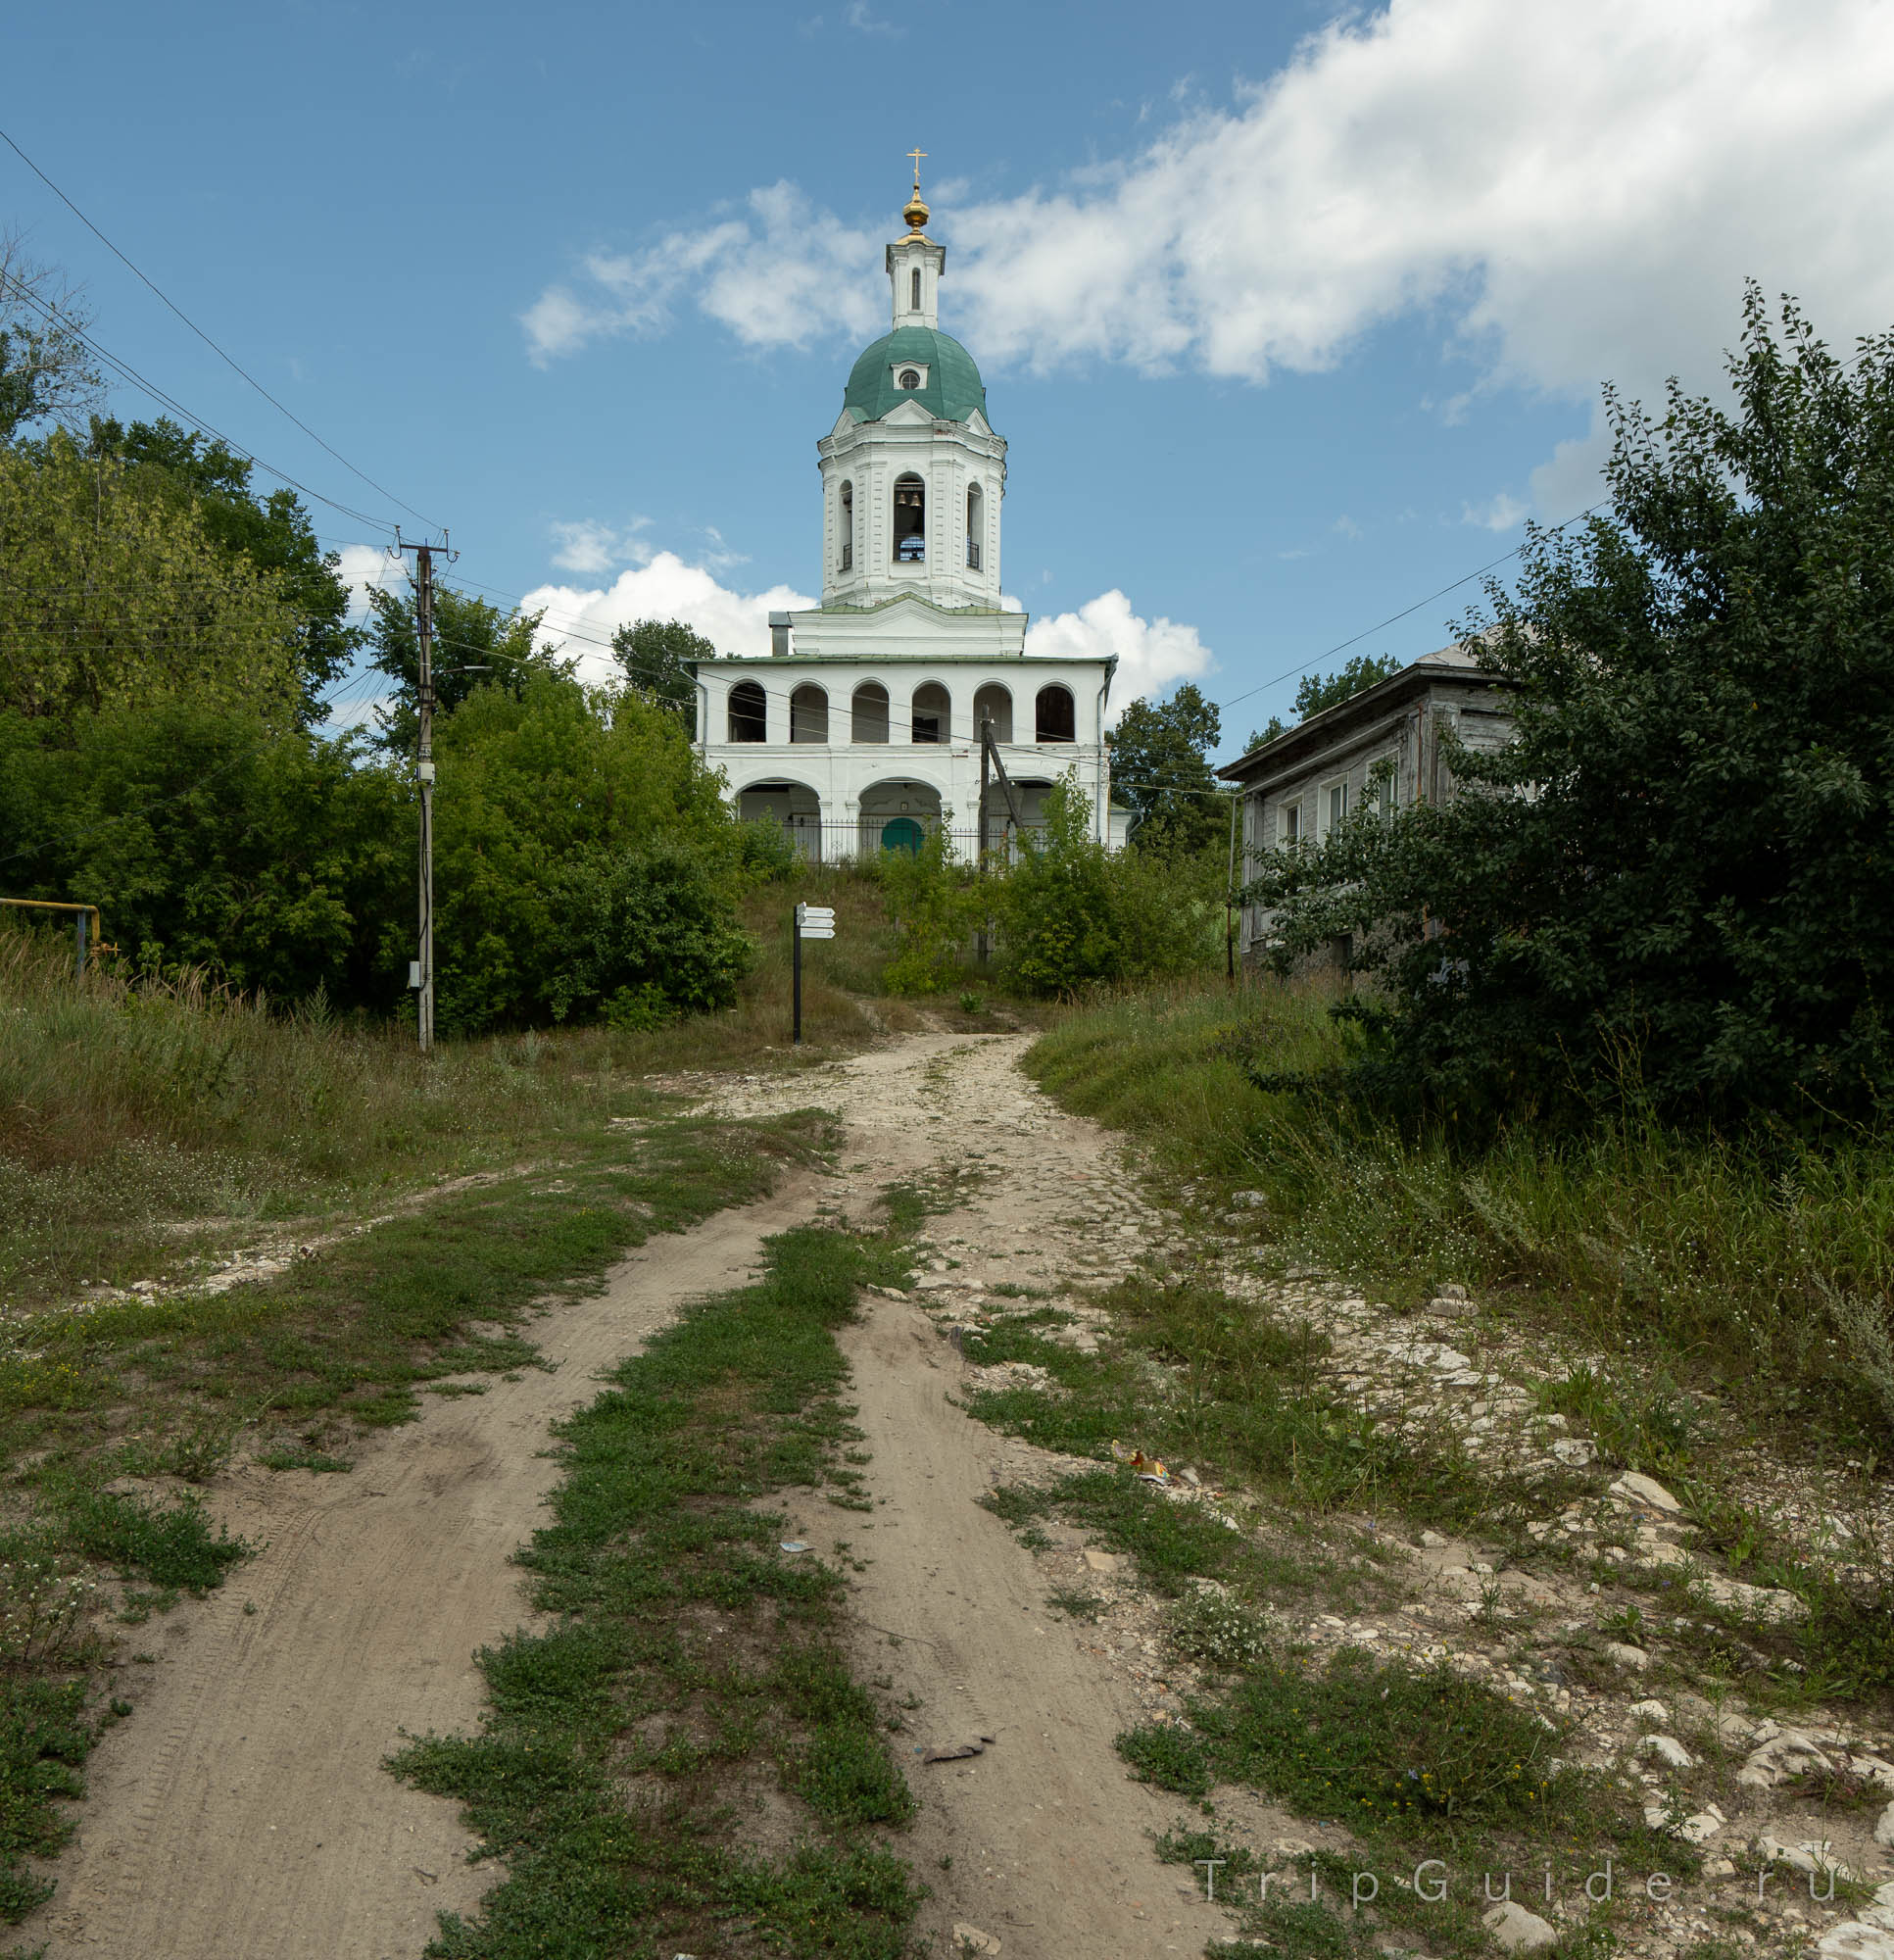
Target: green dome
x=953, y=386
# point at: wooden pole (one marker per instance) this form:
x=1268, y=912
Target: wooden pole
x=796, y=979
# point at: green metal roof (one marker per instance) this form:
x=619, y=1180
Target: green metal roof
x=953, y=386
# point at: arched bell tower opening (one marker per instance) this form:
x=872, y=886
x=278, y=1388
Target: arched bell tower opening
x=911, y=521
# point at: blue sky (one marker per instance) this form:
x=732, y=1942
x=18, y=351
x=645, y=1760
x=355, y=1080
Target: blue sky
x=1289, y=317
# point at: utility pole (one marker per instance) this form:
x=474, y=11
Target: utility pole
x=422, y=978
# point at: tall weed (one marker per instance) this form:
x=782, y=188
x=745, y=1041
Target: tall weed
x=1757, y=1263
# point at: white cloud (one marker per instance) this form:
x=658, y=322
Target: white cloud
x=865, y=21
x=667, y=588
x=783, y=272
x=1579, y=191
x=366, y=569
x=1151, y=652
x=1575, y=193
x=588, y=546
x=1499, y=513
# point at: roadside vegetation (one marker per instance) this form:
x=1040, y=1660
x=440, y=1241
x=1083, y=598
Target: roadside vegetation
x=115, y=1404
x=1749, y=1266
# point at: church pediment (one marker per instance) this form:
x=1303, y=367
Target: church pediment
x=909, y=412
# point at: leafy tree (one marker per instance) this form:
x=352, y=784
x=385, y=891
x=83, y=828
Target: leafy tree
x=47, y=372
x=211, y=837
x=274, y=532
x=1269, y=732
x=1060, y=935
x=475, y=645
x=649, y=936
x=115, y=591
x=1319, y=691
x=1679, y=873
x=543, y=787
x=656, y=657
x=1160, y=766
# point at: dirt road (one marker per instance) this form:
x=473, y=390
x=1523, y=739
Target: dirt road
x=1049, y=1841
x=242, y=1811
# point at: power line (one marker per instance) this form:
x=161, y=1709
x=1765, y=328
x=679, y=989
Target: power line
x=228, y=360
x=129, y=373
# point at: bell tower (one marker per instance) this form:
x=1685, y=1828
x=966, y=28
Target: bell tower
x=916, y=263
x=912, y=471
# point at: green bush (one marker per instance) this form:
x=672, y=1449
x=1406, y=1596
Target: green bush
x=933, y=904
x=1673, y=884
x=211, y=837
x=1074, y=915
x=651, y=936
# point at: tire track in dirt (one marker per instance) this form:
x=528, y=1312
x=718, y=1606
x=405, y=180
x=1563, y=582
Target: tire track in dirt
x=1049, y=1841
x=242, y=1810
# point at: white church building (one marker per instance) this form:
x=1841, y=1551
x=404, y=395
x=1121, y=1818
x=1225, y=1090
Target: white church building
x=862, y=729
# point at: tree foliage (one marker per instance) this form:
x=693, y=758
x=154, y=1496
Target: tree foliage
x=114, y=590
x=212, y=838
x=657, y=655
x=475, y=645
x=545, y=788
x=1074, y=915
x=1160, y=767
x=274, y=533
x=1315, y=692
x=47, y=371
x=1679, y=872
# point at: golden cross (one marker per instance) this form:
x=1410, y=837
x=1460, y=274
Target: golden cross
x=917, y=155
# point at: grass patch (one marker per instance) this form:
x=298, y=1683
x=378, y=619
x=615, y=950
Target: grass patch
x=694, y=1666
x=172, y=1546
x=1195, y=1376
x=1757, y=1265
x=291, y=1456
x=1413, y=1763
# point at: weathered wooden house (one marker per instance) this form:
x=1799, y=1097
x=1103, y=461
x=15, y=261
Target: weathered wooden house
x=1382, y=747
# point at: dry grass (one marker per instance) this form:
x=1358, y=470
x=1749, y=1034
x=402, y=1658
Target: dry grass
x=147, y=1122
x=1757, y=1264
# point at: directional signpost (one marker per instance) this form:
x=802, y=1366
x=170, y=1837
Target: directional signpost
x=812, y=922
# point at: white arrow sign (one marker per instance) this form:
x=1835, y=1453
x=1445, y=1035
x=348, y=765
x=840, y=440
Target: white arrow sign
x=814, y=915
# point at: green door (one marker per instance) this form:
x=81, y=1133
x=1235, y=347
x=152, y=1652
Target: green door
x=903, y=834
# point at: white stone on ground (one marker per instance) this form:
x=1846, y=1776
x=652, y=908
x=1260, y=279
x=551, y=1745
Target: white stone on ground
x=1516, y=1930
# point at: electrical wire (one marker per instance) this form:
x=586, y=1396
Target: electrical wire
x=131, y=375
x=228, y=360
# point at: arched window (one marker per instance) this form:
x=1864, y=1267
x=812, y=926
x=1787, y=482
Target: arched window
x=1054, y=718
x=869, y=717
x=911, y=521
x=910, y=377
x=933, y=712
x=976, y=525
x=748, y=712
x=915, y=306
x=994, y=704
x=844, y=524
x=808, y=714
